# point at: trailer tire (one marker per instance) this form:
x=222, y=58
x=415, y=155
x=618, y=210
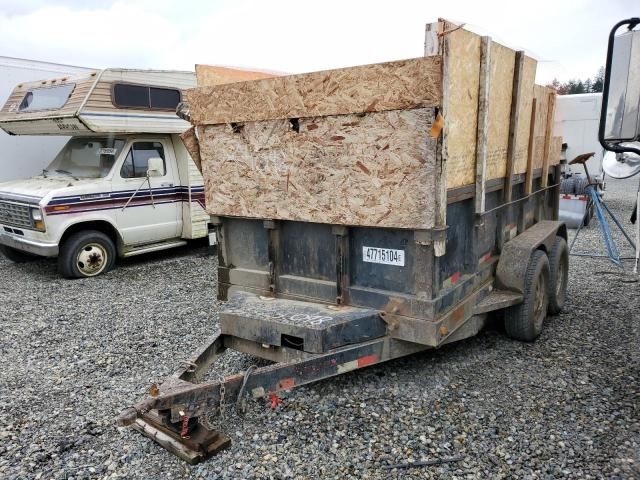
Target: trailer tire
x=15, y=255
x=86, y=254
x=524, y=321
x=558, y=275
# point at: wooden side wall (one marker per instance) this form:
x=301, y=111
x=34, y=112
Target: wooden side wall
x=344, y=169
x=462, y=86
x=396, y=85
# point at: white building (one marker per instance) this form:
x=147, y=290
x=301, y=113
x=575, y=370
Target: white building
x=26, y=156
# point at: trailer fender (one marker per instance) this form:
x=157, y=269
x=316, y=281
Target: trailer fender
x=512, y=264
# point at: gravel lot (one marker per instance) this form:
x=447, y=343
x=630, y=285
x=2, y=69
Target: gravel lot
x=75, y=353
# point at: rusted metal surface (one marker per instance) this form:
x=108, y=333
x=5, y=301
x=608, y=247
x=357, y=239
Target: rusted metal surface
x=496, y=300
x=516, y=252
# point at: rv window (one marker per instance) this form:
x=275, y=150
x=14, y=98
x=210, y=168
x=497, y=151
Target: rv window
x=144, y=97
x=46, y=98
x=131, y=96
x=164, y=98
x=137, y=161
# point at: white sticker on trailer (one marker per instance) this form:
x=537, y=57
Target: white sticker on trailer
x=385, y=256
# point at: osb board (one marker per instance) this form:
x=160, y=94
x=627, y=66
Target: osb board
x=190, y=142
x=555, y=150
x=500, y=93
x=522, y=140
x=380, y=87
x=540, y=93
x=375, y=169
x=208, y=75
x=462, y=50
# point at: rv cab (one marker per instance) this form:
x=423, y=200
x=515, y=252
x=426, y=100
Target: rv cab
x=123, y=185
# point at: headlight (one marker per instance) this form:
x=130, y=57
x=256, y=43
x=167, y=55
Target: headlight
x=36, y=214
x=38, y=220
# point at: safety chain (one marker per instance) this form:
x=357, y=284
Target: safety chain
x=208, y=419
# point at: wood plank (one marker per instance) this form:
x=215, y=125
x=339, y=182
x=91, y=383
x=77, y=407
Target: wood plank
x=548, y=132
x=376, y=169
x=380, y=87
x=500, y=99
x=209, y=75
x=483, y=124
x=432, y=39
x=460, y=104
x=526, y=99
x=516, y=98
x=532, y=130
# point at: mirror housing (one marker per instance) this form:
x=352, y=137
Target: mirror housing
x=620, y=115
x=155, y=167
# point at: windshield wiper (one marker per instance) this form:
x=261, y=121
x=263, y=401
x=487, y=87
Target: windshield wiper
x=65, y=172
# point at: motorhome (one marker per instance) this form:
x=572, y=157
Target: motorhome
x=123, y=184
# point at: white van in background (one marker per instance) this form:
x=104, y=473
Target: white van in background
x=123, y=185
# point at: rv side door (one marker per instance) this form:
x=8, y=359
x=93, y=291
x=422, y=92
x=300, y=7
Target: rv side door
x=151, y=198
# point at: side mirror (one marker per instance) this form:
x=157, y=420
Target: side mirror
x=155, y=167
x=620, y=115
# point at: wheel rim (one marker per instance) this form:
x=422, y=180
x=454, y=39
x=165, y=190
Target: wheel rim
x=540, y=306
x=92, y=259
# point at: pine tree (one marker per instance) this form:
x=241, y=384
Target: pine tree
x=598, y=81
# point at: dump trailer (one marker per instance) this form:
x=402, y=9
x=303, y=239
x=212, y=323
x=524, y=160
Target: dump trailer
x=365, y=214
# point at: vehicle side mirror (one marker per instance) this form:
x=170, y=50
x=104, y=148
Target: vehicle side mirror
x=620, y=116
x=155, y=167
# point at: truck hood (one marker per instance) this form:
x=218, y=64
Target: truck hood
x=36, y=189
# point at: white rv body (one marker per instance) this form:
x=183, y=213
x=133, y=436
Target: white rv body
x=33, y=152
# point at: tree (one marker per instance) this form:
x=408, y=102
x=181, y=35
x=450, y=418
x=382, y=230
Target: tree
x=575, y=86
x=598, y=81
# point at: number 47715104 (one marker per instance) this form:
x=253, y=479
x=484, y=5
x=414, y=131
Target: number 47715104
x=385, y=256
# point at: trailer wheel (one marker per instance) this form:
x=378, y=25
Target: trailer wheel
x=15, y=255
x=86, y=254
x=524, y=321
x=558, y=275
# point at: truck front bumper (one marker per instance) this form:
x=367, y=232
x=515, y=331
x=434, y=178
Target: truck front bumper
x=29, y=245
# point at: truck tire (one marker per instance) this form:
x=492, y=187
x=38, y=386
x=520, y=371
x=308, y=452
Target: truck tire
x=86, y=254
x=524, y=321
x=15, y=255
x=558, y=275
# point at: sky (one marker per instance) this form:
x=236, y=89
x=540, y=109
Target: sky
x=567, y=37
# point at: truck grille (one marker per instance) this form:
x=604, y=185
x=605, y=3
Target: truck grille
x=15, y=214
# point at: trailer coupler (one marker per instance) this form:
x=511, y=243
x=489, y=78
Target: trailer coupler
x=175, y=414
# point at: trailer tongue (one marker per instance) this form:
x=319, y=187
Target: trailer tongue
x=365, y=214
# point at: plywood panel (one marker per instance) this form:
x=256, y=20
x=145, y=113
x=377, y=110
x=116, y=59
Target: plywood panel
x=502, y=68
x=209, y=75
x=522, y=141
x=542, y=102
x=375, y=169
x=462, y=50
x=370, y=88
x=190, y=142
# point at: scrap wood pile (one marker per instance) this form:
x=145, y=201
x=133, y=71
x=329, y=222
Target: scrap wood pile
x=376, y=145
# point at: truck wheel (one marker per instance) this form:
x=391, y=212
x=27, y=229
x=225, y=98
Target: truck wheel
x=15, y=255
x=558, y=275
x=86, y=254
x=524, y=321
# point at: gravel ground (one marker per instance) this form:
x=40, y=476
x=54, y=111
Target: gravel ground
x=75, y=353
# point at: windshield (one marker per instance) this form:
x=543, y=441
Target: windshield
x=86, y=157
